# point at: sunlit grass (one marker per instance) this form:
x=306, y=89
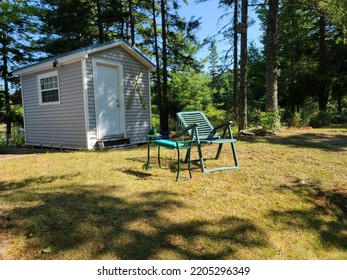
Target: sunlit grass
x=287, y=201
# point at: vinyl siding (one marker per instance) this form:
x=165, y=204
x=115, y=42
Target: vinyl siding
x=60, y=124
x=137, y=119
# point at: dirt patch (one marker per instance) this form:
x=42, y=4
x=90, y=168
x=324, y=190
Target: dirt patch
x=10, y=153
x=10, y=156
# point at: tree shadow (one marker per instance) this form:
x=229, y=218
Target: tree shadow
x=138, y=174
x=327, y=216
x=325, y=142
x=12, y=185
x=92, y=225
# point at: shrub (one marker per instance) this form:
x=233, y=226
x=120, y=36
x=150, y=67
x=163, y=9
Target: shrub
x=270, y=121
x=339, y=119
x=296, y=120
x=322, y=119
x=217, y=116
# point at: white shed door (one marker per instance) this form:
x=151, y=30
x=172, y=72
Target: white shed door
x=107, y=100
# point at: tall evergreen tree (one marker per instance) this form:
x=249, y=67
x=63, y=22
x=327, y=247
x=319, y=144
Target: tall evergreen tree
x=70, y=25
x=308, y=42
x=324, y=85
x=157, y=59
x=214, y=68
x=235, y=68
x=336, y=11
x=271, y=57
x=18, y=20
x=179, y=45
x=164, y=115
x=242, y=121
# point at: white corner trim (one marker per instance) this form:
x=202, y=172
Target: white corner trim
x=85, y=102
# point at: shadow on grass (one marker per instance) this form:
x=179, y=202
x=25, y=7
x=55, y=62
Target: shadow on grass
x=326, y=142
x=13, y=185
x=327, y=215
x=85, y=224
x=138, y=174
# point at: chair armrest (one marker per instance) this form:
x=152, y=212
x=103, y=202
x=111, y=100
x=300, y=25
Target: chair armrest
x=214, y=131
x=223, y=125
x=194, y=125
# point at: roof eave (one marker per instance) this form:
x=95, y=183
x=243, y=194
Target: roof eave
x=49, y=63
x=83, y=55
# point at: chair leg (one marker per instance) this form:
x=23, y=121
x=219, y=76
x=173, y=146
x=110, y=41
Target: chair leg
x=187, y=156
x=234, y=154
x=220, y=146
x=148, y=156
x=178, y=164
x=202, y=165
x=189, y=167
x=159, y=157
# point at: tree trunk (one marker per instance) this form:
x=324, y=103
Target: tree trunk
x=164, y=116
x=242, y=122
x=157, y=60
x=4, y=74
x=6, y=92
x=323, y=87
x=271, y=57
x=132, y=22
x=101, y=34
x=235, y=71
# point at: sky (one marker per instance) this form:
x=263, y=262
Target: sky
x=210, y=14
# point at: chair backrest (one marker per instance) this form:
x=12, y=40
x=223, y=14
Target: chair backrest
x=204, y=128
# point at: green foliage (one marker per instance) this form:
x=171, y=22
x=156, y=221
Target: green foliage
x=18, y=24
x=71, y=25
x=339, y=119
x=322, y=119
x=17, y=136
x=302, y=116
x=256, y=81
x=2, y=136
x=155, y=119
x=309, y=67
x=217, y=116
x=296, y=120
x=18, y=27
x=189, y=91
x=336, y=11
x=270, y=121
x=17, y=113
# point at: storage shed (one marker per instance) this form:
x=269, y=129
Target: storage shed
x=89, y=98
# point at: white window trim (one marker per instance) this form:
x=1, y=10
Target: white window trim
x=46, y=75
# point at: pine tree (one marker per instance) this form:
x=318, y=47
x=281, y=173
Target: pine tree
x=242, y=120
x=18, y=20
x=271, y=57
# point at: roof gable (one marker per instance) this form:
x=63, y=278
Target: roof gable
x=83, y=54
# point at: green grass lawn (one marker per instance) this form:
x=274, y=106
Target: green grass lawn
x=287, y=201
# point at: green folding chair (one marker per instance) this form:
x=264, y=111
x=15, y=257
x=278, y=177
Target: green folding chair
x=205, y=133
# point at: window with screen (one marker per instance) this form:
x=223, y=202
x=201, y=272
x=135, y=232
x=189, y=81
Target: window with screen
x=49, y=88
